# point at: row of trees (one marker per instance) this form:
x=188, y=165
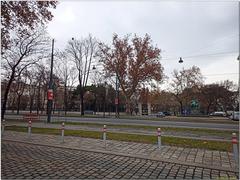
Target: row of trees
x=188, y=85
x=133, y=61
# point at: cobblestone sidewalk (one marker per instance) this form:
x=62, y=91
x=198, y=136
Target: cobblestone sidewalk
x=28, y=161
x=189, y=156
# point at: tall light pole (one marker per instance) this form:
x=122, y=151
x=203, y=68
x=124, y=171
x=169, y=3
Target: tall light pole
x=105, y=95
x=239, y=57
x=117, y=97
x=50, y=89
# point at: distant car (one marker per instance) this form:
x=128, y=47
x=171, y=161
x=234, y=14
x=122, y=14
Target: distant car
x=160, y=114
x=235, y=116
x=219, y=113
x=167, y=113
x=145, y=112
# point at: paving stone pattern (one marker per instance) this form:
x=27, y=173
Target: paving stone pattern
x=26, y=161
x=190, y=156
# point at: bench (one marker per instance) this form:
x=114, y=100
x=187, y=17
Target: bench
x=31, y=117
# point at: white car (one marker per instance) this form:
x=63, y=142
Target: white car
x=219, y=113
x=234, y=116
x=160, y=114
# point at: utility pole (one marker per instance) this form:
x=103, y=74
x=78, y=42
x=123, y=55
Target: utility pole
x=117, y=97
x=239, y=57
x=104, y=103
x=50, y=89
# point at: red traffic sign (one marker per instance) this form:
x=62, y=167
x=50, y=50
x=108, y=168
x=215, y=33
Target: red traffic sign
x=116, y=100
x=50, y=94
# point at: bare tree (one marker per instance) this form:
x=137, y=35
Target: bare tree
x=21, y=86
x=183, y=81
x=82, y=52
x=66, y=71
x=25, y=49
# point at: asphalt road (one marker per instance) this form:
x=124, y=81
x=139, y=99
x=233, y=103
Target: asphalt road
x=27, y=161
x=157, y=123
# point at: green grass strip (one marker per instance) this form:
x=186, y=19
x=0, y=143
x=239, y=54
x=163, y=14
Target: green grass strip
x=221, y=133
x=182, y=142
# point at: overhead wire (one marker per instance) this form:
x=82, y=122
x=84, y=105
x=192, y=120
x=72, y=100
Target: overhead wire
x=200, y=55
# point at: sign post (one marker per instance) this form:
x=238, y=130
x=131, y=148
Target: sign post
x=50, y=88
x=50, y=94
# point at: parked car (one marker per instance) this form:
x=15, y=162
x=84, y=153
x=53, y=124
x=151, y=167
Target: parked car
x=219, y=113
x=160, y=114
x=145, y=112
x=167, y=113
x=235, y=116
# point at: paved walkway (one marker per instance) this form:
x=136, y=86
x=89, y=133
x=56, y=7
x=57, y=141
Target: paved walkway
x=28, y=161
x=186, y=156
x=190, y=135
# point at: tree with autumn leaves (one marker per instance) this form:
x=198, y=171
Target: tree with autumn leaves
x=135, y=62
x=24, y=38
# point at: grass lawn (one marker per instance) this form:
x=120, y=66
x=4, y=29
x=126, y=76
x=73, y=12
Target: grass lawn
x=182, y=142
x=198, y=131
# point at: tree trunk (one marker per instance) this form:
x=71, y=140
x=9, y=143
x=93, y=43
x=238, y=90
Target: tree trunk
x=18, y=103
x=6, y=94
x=38, y=99
x=44, y=98
x=181, y=107
x=208, y=107
x=81, y=100
x=32, y=100
x=13, y=102
x=65, y=99
x=31, y=103
x=82, y=105
x=128, y=106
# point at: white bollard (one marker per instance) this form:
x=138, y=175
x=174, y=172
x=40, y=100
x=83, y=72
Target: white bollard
x=159, y=138
x=29, y=128
x=62, y=132
x=3, y=126
x=235, y=147
x=104, y=135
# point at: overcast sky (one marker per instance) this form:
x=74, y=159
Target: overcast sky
x=204, y=34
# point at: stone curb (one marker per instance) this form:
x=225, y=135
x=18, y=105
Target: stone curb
x=126, y=155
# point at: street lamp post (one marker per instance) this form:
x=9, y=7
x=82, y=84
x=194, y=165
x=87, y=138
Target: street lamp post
x=117, y=97
x=104, y=103
x=239, y=59
x=50, y=89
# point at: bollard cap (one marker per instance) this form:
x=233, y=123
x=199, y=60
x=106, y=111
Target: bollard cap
x=63, y=123
x=30, y=121
x=159, y=129
x=104, y=128
x=234, y=134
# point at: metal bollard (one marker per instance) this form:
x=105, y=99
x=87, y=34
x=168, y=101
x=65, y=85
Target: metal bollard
x=62, y=132
x=3, y=126
x=235, y=148
x=104, y=135
x=29, y=128
x=159, y=138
